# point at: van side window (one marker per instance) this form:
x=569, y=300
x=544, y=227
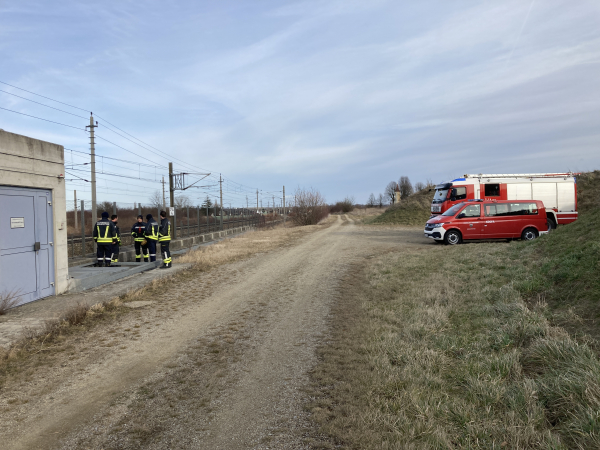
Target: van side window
x=500, y=209
x=459, y=193
x=472, y=211
x=523, y=209
x=492, y=190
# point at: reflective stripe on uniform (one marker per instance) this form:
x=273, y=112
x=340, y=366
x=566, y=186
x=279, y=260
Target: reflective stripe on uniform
x=105, y=239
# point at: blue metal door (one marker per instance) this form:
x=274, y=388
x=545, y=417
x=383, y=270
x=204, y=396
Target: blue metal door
x=26, y=243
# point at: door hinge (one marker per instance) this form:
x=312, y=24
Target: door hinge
x=52, y=284
x=50, y=203
x=51, y=243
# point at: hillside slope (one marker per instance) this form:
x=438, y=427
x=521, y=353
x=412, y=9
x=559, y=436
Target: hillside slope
x=563, y=267
x=415, y=210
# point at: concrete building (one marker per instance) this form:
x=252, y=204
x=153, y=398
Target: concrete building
x=33, y=218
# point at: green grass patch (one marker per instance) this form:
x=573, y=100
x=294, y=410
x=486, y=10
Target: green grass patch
x=478, y=346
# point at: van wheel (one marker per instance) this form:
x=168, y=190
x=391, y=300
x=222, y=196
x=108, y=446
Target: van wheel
x=551, y=224
x=529, y=234
x=452, y=237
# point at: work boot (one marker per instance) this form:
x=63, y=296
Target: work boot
x=107, y=264
x=164, y=266
x=145, y=259
x=99, y=264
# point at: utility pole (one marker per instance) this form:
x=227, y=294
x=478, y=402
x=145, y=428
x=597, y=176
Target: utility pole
x=246, y=202
x=284, y=212
x=273, y=207
x=257, y=200
x=221, y=195
x=75, y=204
x=93, y=168
x=164, y=199
x=171, y=187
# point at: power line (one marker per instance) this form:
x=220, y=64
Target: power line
x=47, y=98
x=46, y=120
x=184, y=163
x=117, y=159
x=47, y=106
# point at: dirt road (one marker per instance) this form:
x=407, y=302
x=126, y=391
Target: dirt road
x=220, y=363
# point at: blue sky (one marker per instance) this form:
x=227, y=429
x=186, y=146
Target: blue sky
x=344, y=96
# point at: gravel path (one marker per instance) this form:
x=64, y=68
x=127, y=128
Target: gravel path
x=221, y=363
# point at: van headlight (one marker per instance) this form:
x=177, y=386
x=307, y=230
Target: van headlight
x=437, y=225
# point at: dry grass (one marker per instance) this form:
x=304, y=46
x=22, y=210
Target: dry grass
x=439, y=350
x=37, y=347
x=241, y=247
x=8, y=300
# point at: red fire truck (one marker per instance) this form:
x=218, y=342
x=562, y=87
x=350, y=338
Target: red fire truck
x=558, y=192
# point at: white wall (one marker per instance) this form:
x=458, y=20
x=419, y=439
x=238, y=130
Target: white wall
x=28, y=162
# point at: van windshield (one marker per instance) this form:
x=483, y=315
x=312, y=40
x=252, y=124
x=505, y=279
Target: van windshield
x=454, y=209
x=440, y=195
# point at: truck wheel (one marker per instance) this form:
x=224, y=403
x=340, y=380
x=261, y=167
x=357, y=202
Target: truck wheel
x=529, y=234
x=551, y=224
x=452, y=237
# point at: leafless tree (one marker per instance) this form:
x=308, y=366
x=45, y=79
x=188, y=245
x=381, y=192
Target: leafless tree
x=419, y=186
x=182, y=201
x=406, y=188
x=309, y=207
x=380, y=200
x=156, y=200
x=372, y=200
x=390, y=192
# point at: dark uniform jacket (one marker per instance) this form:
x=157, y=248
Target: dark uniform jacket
x=151, y=232
x=164, y=232
x=117, y=234
x=105, y=232
x=137, y=231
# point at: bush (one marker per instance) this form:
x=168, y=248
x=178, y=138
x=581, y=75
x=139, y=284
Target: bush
x=309, y=207
x=345, y=206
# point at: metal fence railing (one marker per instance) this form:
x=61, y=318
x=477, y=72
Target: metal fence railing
x=186, y=222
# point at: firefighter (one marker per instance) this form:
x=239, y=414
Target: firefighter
x=104, y=234
x=140, y=243
x=151, y=235
x=117, y=241
x=164, y=237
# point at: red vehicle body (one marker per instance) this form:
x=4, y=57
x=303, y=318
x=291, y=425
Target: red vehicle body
x=558, y=192
x=489, y=219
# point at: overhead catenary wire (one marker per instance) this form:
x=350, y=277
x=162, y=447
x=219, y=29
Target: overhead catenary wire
x=233, y=191
x=47, y=106
x=39, y=118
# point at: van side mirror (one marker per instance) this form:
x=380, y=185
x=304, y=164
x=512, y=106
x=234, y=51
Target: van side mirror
x=461, y=215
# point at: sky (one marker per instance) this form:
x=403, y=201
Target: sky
x=341, y=96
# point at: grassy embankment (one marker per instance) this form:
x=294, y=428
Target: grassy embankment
x=488, y=345
x=415, y=210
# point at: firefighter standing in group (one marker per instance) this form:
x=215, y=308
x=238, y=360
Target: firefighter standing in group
x=164, y=237
x=104, y=234
x=151, y=235
x=139, y=241
x=117, y=241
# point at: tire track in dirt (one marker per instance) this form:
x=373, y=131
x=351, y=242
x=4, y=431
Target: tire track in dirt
x=262, y=406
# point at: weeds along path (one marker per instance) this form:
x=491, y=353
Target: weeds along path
x=220, y=364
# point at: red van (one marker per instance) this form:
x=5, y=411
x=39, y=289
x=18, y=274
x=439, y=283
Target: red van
x=489, y=219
